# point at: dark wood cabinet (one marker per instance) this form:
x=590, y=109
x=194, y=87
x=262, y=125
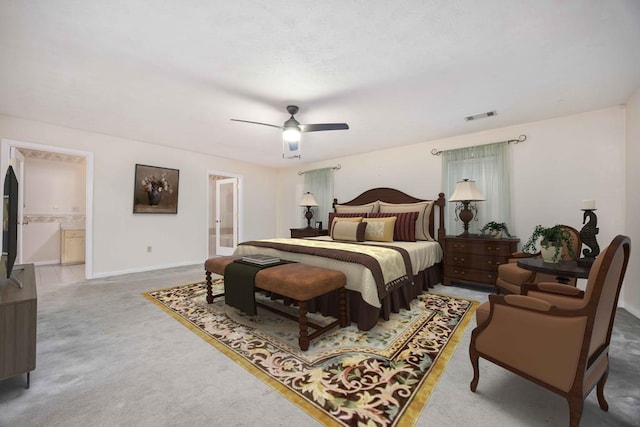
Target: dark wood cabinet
x=475, y=259
x=18, y=316
x=308, y=232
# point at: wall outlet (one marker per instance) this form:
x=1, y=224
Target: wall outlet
x=148, y=248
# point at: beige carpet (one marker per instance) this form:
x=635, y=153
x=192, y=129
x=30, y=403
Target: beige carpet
x=347, y=377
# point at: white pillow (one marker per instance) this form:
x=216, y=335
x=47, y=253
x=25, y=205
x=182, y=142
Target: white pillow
x=368, y=208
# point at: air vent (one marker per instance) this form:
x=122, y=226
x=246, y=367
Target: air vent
x=481, y=116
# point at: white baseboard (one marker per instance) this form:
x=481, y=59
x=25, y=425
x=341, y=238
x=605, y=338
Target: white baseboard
x=144, y=269
x=49, y=262
x=631, y=309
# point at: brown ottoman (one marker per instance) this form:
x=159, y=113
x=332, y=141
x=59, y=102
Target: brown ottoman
x=300, y=282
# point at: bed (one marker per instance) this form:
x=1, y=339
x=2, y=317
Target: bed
x=373, y=292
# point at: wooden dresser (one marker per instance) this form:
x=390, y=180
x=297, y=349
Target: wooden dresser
x=475, y=259
x=18, y=316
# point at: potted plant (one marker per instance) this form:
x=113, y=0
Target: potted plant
x=496, y=229
x=553, y=239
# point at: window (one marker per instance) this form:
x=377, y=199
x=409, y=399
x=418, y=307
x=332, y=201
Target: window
x=488, y=166
x=320, y=183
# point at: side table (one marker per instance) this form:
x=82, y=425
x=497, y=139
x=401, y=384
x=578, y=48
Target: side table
x=308, y=232
x=563, y=270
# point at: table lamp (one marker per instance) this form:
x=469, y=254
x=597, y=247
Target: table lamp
x=308, y=201
x=466, y=192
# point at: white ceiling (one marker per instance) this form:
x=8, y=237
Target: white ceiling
x=398, y=72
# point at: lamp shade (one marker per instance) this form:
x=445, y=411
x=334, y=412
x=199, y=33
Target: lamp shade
x=308, y=200
x=466, y=191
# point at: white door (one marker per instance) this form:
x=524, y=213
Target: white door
x=17, y=161
x=226, y=216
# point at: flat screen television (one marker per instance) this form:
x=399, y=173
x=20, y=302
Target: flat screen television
x=9, y=225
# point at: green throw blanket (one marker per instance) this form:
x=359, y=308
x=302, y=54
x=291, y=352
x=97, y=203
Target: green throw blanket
x=239, y=285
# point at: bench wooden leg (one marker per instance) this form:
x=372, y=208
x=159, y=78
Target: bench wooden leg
x=209, y=288
x=342, y=308
x=303, y=340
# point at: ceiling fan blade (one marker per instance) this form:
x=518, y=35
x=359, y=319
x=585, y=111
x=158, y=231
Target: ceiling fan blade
x=256, y=123
x=324, y=126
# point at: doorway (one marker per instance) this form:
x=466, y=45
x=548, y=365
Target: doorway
x=224, y=214
x=42, y=225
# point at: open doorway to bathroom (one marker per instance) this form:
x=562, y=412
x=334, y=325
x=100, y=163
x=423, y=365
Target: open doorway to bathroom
x=55, y=192
x=224, y=213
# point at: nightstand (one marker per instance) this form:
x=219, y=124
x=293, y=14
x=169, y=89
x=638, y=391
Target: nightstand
x=308, y=232
x=475, y=259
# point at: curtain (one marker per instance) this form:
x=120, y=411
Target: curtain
x=320, y=183
x=488, y=166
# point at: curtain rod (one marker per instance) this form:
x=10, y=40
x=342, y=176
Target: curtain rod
x=521, y=138
x=332, y=167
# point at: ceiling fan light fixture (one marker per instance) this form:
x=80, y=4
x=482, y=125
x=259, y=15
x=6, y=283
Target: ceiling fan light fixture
x=291, y=134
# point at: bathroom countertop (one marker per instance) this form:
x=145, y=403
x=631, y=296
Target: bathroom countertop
x=72, y=226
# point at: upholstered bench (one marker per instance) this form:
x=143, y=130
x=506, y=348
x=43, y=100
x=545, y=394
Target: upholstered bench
x=297, y=281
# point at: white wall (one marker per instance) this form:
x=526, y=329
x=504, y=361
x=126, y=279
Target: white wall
x=563, y=161
x=120, y=238
x=631, y=288
x=54, y=186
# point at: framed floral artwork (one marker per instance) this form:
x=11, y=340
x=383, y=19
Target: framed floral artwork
x=155, y=190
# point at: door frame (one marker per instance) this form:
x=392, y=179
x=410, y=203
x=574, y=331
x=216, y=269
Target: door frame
x=234, y=241
x=5, y=149
x=240, y=179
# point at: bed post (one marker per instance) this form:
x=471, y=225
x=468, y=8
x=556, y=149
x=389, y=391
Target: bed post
x=441, y=231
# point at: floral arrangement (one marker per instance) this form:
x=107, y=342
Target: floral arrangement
x=151, y=182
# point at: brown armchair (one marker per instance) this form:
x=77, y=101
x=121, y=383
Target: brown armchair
x=556, y=336
x=511, y=277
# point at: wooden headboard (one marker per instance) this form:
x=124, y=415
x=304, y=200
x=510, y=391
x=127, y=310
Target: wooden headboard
x=391, y=195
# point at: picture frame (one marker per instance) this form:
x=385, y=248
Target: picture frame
x=319, y=225
x=155, y=189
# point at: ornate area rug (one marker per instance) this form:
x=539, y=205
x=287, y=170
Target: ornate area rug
x=348, y=377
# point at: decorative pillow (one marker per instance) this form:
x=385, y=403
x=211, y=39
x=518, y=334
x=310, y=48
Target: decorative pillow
x=368, y=208
x=333, y=215
x=405, y=228
x=424, y=211
x=349, y=230
x=379, y=229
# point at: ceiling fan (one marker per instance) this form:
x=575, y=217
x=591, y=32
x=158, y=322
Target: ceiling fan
x=292, y=131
